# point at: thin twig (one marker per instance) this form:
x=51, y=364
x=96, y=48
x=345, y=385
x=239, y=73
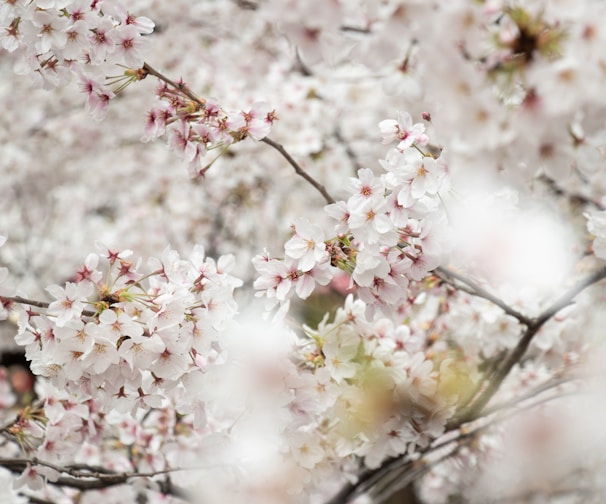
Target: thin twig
x=35, y=500
x=348, y=150
x=180, y=86
x=39, y=304
x=329, y=199
x=22, y=300
x=446, y=275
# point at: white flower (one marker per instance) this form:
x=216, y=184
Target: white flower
x=307, y=245
x=70, y=300
x=404, y=130
x=339, y=353
x=365, y=188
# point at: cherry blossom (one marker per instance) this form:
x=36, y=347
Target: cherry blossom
x=434, y=328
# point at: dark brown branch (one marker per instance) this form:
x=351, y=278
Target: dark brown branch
x=355, y=29
x=395, y=473
x=246, y=4
x=35, y=500
x=22, y=300
x=329, y=199
x=573, y=198
x=518, y=352
x=86, y=478
x=403, y=464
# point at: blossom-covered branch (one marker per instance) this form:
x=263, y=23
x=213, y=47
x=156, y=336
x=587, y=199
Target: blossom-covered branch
x=534, y=325
x=89, y=478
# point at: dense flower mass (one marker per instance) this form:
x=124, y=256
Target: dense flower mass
x=122, y=333
x=431, y=275
x=59, y=40
x=381, y=236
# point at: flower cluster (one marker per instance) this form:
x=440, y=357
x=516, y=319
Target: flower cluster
x=369, y=390
x=386, y=231
x=194, y=125
x=130, y=337
x=144, y=367
x=65, y=38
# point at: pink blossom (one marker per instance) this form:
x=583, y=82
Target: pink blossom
x=307, y=245
x=403, y=130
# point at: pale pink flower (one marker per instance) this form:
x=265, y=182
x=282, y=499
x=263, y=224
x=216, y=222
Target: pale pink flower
x=321, y=274
x=34, y=477
x=173, y=361
x=80, y=10
x=75, y=342
x=340, y=212
x=102, y=44
x=49, y=30
x=88, y=271
x=403, y=130
x=369, y=265
x=129, y=45
x=155, y=125
x=307, y=245
x=70, y=300
x=11, y=36
x=141, y=351
x=259, y=120
x=339, y=353
x=142, y=24
x=76, y=40
x=370, y=223
x=427, y=176
x=98, y=96
x=180, y=139
x=365, y=188
x=421, y=380
x=113, y=326
x=275, y=280
x=306, y=448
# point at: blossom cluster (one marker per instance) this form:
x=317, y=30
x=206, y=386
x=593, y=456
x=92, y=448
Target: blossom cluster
x=57, y=40
x=89, y=40
x=144, y=367
x=386, y=231
x=369, y=389
x=130, y=337
x=194, y=126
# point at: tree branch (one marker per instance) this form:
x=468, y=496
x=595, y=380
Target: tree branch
x=473, y=410
x=180, y=86
x=329, y=199
x=396, y=473
x=39, y=304
x=449, y=276
x=86, y=478
x=408, y=469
